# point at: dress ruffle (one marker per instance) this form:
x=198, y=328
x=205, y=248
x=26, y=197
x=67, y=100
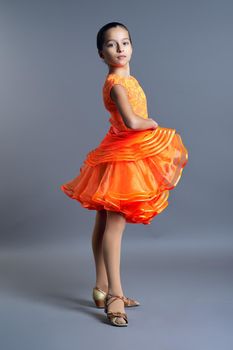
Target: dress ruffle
x=130, y=172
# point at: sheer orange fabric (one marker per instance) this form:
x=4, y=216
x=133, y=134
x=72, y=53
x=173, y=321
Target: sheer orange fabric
x=130, y=171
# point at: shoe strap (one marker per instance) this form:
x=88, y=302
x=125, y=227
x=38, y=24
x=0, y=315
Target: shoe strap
x=114, y=297
x=117, y=314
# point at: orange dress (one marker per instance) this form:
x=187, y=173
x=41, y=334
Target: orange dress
x=130, y=171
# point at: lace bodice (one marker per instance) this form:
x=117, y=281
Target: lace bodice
x=136, y=96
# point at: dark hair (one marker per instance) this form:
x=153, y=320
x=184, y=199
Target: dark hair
x=101, y=32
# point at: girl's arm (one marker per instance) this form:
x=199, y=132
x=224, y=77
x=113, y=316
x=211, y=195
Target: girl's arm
x=131, y=120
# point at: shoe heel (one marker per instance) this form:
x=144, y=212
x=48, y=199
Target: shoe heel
x=98, y=296
x=99, y=303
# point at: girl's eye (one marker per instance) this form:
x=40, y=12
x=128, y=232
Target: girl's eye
x=110, y=45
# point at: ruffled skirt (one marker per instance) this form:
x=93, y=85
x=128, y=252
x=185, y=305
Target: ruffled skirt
x=130, y=172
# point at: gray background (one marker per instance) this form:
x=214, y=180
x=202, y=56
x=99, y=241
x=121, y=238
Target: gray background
x=52, y=115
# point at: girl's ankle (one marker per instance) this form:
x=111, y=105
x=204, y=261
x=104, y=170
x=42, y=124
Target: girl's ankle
x=103, y=287
x=115, y=292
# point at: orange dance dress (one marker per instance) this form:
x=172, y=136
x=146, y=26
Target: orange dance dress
x=131, y=171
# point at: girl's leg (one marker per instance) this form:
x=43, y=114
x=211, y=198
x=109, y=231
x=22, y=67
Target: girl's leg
x=115, y=225
x=97, y=247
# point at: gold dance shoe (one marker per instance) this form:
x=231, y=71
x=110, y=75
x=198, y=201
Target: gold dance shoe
x=113, y=315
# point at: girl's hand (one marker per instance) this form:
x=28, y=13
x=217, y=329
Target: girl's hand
x=154, y=124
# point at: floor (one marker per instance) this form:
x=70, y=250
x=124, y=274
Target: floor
x=183, y=281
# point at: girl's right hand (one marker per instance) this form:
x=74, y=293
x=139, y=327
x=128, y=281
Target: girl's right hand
x=154, y=123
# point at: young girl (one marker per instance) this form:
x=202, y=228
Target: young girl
x=127, y=178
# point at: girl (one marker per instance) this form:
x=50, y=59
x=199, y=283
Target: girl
x=127, y=178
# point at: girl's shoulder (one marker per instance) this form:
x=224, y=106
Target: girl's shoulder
x=133, y=89
x=112, y=79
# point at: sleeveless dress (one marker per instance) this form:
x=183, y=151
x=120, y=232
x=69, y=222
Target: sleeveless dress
x=131, y=171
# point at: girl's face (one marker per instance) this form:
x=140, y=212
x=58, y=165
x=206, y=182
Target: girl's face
x=117, y=49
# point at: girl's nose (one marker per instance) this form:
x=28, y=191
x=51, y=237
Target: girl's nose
x=119, y=48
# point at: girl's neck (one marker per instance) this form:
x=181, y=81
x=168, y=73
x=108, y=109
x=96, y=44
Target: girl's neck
x=123, y=72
